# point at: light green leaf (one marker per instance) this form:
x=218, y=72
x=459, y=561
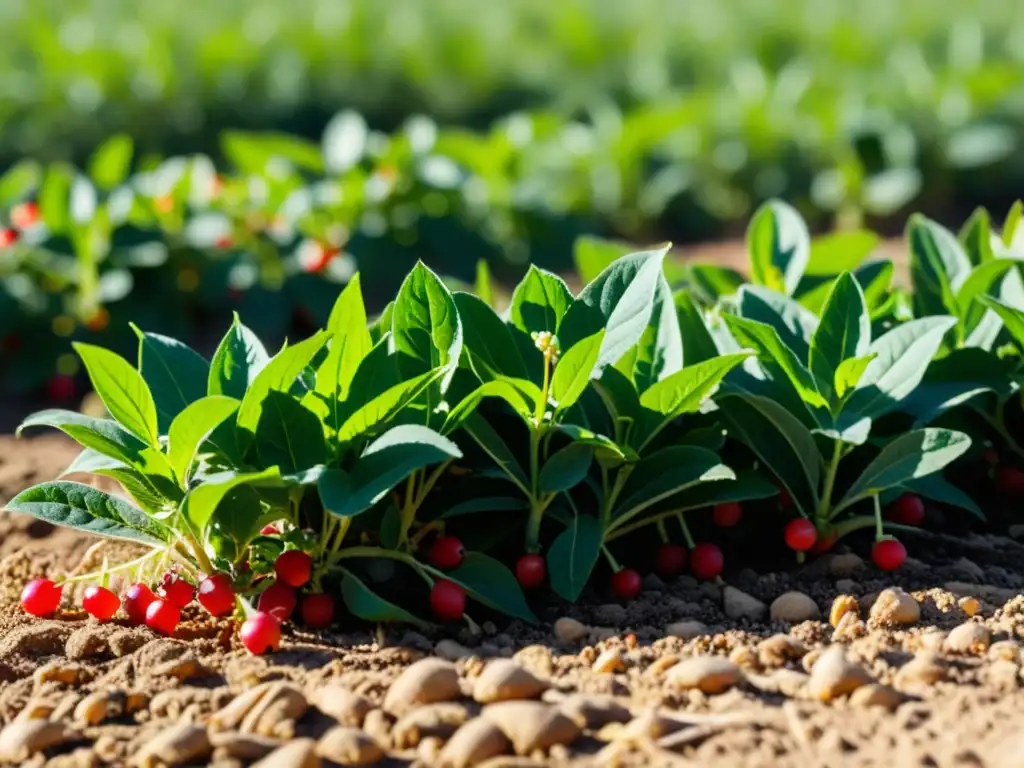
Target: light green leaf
x=239, y=358
x=779, y=246
x=109, y=164
x=201, y=502
x=122, y=390
x=381, y=409
x=483, y=284
x=794, y=324
x=843, y=333
x=539, y=302
x=659, y=351
x=849, y=373
x=349, y=345
x=665, y=473
x=572, y=556
x=574, y=369
x=289, y=435
x=1012, y=317
x=592, y=255
x=938, y=266
x=425, y=324
x=841, y=251
x=103, y=435
x=976, y=237
x=192, y=427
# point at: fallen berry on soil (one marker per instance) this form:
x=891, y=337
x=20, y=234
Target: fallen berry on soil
x=294, y=567
x=669, y=560
x=163, y=616
x=446, y=553
x=217, y=594
x=1010, y=481
x=136, y=601
x=40, y=597
x=260, y=633
x=626, y=584
x=706, y=561
x=908, y=509
x=530, y=571
x=100, y=602
x=888, y=554
x=176, y=590
x=317, y=610
x=447, y=600
x=727, y=515
x=800, y=535
x=278, y=600
x=24, y=215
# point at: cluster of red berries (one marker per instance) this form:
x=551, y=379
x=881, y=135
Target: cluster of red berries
x=293, y=570
x=447, y=599
x=23, y=216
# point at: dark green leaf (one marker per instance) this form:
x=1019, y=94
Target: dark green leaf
x=335, y=489
x=566, y=468
x=122, y=390
x=103, y=435
x=485, y=504
x=573, y=555
x=794, y=324
x=1012, y=317
x=236, y=363
x=175, y=373
x=935, y=487
x=664, y=474
x=698, y=345
x=288, y=435
x=938, y=266
x=711, y=282
x=843, y=333
x=976, y=237
x=490, y=582
x=375, y=414
x=779, y=246
x=489, y=342
x=490, y=441
x=539, y=302
x=201, y=502
x=659, y=351
x=361, y=601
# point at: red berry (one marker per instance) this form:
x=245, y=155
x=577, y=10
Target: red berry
x=317, y=610
x=223, y=242
x=313, y=256
x=136, y=601
x=825, y=541
x=727, y=515
x=176, y=590
x=1010, y=481
x=669, y=560
x=446, y=553
x=163, y=616
x=626, y=583
x=785, y=500
x=888, y=554
x=261, y=633
x=530, y=571
x=217, y=594
x=40, y=597
x=706, y=561
x=269, y=530
x=908, y=509
x=100, y=602
x=278, y=600
x=447, y=600
x=24, y=215
x=60, y=388
x=294, y=567
x=7, y=237
x=800, y=534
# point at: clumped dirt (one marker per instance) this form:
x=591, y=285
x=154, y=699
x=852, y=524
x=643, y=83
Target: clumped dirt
x=927, y=673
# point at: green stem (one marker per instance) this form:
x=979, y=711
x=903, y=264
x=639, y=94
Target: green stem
x=662, y=532
x=611, y=558
x=686, y=530
x=200, y=554
x=879, y=532
x=390, y=554
x=613, y=496
x=131, y=565
x=825, y=502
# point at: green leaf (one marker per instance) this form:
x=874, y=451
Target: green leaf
x=621, y=300
x=19, y=181
x=350, y=343
x=201, y=502
x=780, y=441
x=361, y=601
x=659, y=351
x=698, y=344
x=87, y=509
x=103, y=435
x=1012, y=317
x=492, y=584
x=779, y=246
x=425, y=324
x=606, y=451
x=335, y=489
x=712, y=282
x=874, y=278
x=748, y=485
x=592, y=255
x=908, y=457
x=381, y=409
x=488, y=341
x=840, y=251
x=539, y=302
x=289, y=435
x=1014, y=220
x=566, y=468
x=938, y=266
x=485, y=504
x=521, y=395
x=976, y=237
x=482, y=285
x=794, y=324
x=109, y=165
x=981, y=281
x=664, y=474
x=843, y=333
x=574, y=369
x=192, y=427
x=849, y=373
x=239, y=358
x=936, y=488
x=490, y=441
x=175, y=373
x=572, y=556
x=122, y=390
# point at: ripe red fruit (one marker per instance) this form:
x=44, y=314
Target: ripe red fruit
x=727, y=515
x=888, y=554
x=162, y=616
x=136, y=601
x=40, y=597
x=626, y=583
x=314, y=256
x=1010, y=481
x=278, y=600
x=317, y=610
x=100, y=602
x=217, y=594
x=446, y=553
x=706, y=561
x=261, y=633
x=7, y=237
x=24, y=215
x=176, y=590
x=908, y=509
x=60, y=388
x=269, y=530
x=530, y=571
x=800, y=534
x=825, y=541
x=447, y=600
x=669, y=560
x=294, y=567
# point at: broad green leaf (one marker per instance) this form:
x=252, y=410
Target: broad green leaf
x=659, y=351
x=239, y=358
x=982, y=280
x=381, y=409
x=485, y=504
x=488, y=341
x=779, y=246
x=425, y=325
x=976, y=237
x=711, y=282
x=483, y=284
x=87, y=509
x=335, y=489
x=490, y=441
x=381, y=324
x=780, y=441
x=621, y=400
x=844, y=332
x=665, y=473
x=201, y=502
x=349, y=311
x=748, y=485
x=566, y=468
x=841, y=251
x=574, y=369
x=938, y=266
x=606, y=450
x=103, y=435
x=122, y=390
x=175, y=373
x=621, y=300
x=289, y=435
x=794, y=324
x=19, y=181
x=521, y=395
x=698, y=345
x=491, y=583
x=935, y=487
x=592, y=255
x=1012, y=225
x=572, y=556
x=901, y=358
x=349, y=345
x=908, y=457
x=240, y=515
x=957, y=378
x=1012, y=317
x=539, y=302
x=91, y=461
x=192, y=427
x=849, y=373
x=361, y=601
x=109, y=164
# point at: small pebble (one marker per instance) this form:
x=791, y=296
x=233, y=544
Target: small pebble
x=969, y=605
x=970, y=637
x=925, y=668
x=476, y=741
x=431, y=721
x=532, y=725
x=794, y=608
x=425, y=682
x=450, y=650
x=876, y=695
x=568, y=630
x=300, y=753
x=834, y=675
x=776, y=650
x=344, y=705
x=894, y=606
x=1005, y=650
x=349, y=746
x=24, y=738
x=686, y=630
x=845, y=565
x=594, y=711
x=660, y=666
x=710, y=674
x=842, y=605
x=739, y=605
x=177, y=745
x=506, y=680
x=609, y=662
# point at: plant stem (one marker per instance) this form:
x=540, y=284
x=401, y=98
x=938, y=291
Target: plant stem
x=390, y=554
x=200, y=554
x=131, y=565
x=611, y=558
x=879, y=532
x=686, y=530
x=825, y=502
x=662, y=532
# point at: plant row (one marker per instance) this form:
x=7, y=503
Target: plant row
x=444, y=448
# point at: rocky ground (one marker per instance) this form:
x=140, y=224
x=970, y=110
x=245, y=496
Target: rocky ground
x=833, y=664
